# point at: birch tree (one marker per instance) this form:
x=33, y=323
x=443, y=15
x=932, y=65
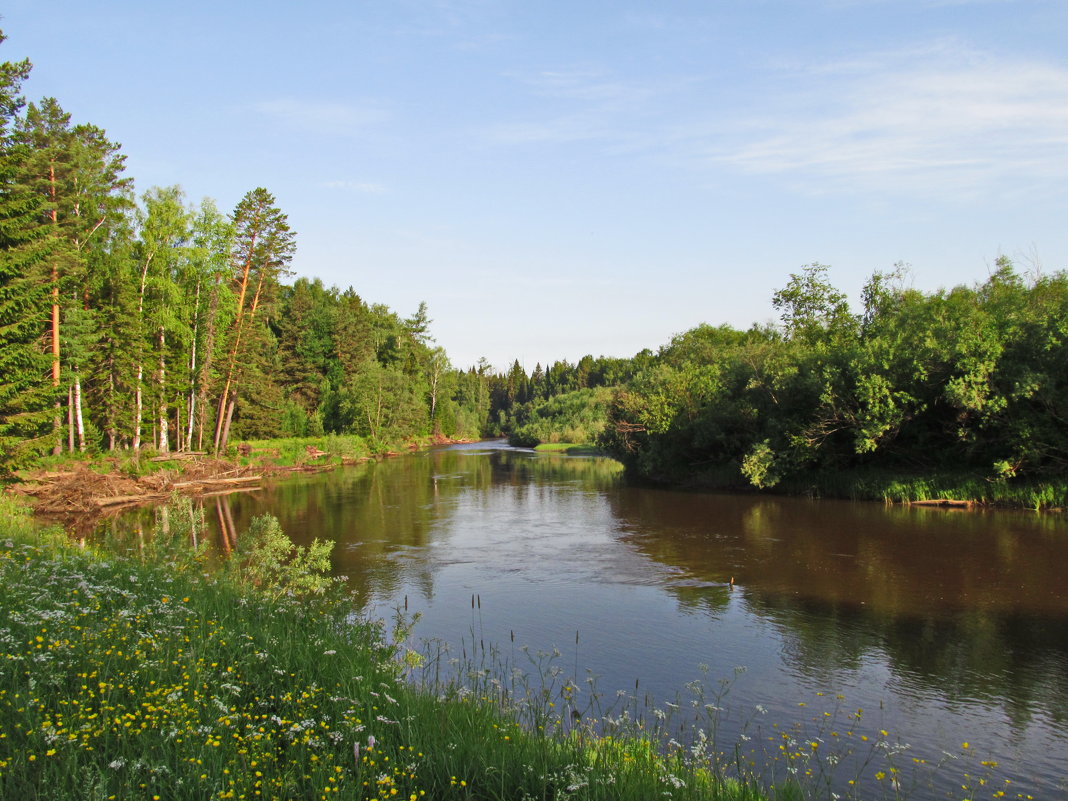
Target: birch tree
x=212, y=238
x=163, y=236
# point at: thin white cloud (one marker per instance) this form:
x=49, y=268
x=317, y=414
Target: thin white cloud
x=964, y=124
x=588, y=86
x=936, y=117
x=587, y=104
x=320, y=116
x=565, y=128
x=365, y=187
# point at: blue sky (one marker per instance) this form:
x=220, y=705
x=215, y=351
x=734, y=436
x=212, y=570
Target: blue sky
x=561, y=178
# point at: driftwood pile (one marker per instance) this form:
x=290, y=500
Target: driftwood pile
x=83, y=490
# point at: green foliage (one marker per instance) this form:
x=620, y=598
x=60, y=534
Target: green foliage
x=271, y=561
x=25, y=247
x=576, y=417
x=758, y=466
x=812, y=309
x=961, y=380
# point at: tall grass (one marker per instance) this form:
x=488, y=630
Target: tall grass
x=880, y=485
x=149, y=677
x=831, y=752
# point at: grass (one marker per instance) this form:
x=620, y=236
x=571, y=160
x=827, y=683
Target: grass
x=867, y=484
x=147, y=676
x=571, y=449
x=831, y=752
x=293, y=451
x=880, y=485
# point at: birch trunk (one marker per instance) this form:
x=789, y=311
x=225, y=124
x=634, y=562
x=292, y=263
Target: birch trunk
x=136, y=444
x=186, y=442
x=80, y=425
x=70, y=419
x=138, y=403
x=164, y=433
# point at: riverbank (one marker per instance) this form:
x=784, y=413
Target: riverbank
x=957, y=490
x=74, y=488
x=570, y=448
x=154, y=678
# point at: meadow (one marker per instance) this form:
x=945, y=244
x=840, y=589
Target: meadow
x=145, y=675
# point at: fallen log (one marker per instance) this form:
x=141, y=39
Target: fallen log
x=229, y=491
x=120, y=500
x=944, y=502
x=178, y=455
x=214, y=482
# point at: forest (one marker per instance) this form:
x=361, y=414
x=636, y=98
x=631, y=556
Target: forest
x=967, y=382
x=133, y=322
x=146, y=322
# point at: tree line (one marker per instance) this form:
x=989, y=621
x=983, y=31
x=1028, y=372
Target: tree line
x=133, y=322
x=971, y=380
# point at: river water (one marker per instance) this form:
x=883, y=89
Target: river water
x=849, y=633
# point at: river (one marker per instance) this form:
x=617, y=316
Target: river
x=947, y=628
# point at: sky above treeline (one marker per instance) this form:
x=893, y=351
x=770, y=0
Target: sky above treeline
x=560, y=178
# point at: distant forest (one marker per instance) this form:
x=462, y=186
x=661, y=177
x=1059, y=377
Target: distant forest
x=143, y=322
x=132, y=322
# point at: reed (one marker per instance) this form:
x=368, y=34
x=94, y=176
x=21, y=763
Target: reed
x=146, y=675
x=830, y=752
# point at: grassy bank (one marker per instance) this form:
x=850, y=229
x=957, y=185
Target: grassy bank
x=942, y=486
x=146, y=677
x=571, y=449
x=897, y=487
x=327, y=450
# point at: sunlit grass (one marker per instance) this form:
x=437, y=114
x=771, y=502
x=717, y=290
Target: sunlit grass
x=951, y=486
x=150, y=677
x=829, y=751
x=571, y=449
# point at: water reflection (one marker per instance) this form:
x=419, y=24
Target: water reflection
x=955, y=624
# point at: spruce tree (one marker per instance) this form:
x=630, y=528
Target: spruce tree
x=25, y=393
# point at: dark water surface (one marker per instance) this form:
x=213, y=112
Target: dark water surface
x=945, y=627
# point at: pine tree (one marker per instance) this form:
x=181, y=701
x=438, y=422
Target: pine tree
x=263, y=246
x=25, y=393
